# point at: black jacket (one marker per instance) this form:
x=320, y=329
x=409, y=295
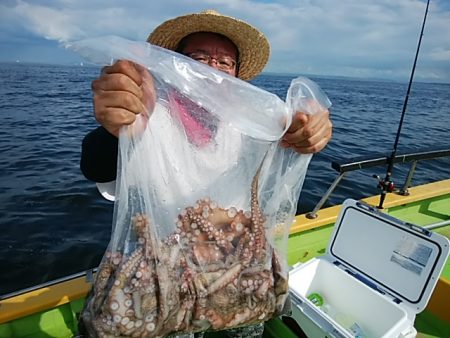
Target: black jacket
x=99, y=156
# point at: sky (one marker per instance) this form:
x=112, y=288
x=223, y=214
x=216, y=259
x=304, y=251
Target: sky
x=374, y=39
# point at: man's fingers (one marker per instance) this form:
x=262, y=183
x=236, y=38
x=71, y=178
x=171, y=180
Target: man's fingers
x=298, y=121
x=313, y=137
x=116, y=109
x=310, y=137
x=311, y=148
x=119, y=99
x=112, y=119
x=116, y=82
x=127, y=68
x=306, y=126
x=111, y=116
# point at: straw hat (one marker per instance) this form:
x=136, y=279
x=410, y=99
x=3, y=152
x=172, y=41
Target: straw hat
x=253, y=46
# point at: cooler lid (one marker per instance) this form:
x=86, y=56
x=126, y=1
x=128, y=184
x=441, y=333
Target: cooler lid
x=399, y=258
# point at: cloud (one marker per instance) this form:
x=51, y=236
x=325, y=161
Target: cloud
x=324, y=37
x=440, y=54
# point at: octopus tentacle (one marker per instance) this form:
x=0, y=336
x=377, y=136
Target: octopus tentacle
x=225, y=279
x=257, y=217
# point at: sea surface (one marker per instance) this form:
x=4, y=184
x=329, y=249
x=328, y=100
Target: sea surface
x=53, y=222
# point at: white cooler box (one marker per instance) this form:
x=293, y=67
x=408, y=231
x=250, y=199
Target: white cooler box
x=378, y=273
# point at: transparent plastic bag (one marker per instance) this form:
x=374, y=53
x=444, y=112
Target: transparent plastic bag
x=204, y=201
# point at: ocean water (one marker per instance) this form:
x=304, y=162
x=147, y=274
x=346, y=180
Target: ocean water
x=52, y=220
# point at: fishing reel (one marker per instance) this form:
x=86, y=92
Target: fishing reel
x=384, y=185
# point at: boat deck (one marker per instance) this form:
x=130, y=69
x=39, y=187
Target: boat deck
x=52, y=310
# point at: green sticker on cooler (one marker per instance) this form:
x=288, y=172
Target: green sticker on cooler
x=316, y=299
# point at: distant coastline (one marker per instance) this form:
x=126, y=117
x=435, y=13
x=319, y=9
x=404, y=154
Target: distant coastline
x=350, y=78
x=287, y=75
x=71, y=64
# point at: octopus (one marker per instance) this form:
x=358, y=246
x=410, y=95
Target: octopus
x=217, y=270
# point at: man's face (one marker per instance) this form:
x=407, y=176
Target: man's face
x=214, y=50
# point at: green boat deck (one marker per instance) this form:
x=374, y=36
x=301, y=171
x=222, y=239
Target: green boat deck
x=61, y=322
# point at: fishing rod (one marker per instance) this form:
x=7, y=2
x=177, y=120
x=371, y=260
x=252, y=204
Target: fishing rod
x=387, y=185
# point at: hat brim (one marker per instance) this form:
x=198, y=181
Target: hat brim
x=252, y=45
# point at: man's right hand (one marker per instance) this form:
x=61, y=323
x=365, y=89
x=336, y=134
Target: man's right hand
x=122, y=91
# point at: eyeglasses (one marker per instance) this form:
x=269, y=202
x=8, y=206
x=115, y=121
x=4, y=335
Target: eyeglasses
x=224, y=63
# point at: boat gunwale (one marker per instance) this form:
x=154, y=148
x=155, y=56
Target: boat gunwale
x=329, y=215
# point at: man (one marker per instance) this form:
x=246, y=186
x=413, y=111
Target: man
x=125, y=90
x=120, y=92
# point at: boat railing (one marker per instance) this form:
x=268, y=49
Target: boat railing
x=363, y=162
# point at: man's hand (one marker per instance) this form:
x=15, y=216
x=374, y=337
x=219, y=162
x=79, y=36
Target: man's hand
x=308, y=133
x=122, y=91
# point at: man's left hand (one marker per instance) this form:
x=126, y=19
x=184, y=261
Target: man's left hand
x=308, y=133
